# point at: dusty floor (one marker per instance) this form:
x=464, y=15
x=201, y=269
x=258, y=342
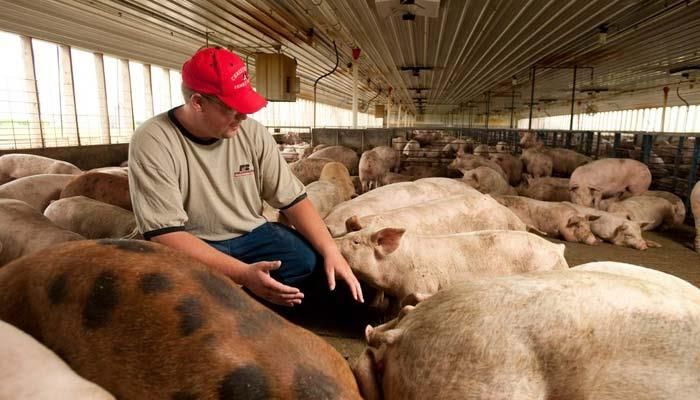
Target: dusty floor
x=343, y=327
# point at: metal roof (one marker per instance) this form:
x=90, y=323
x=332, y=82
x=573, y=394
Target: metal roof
x=472, y=47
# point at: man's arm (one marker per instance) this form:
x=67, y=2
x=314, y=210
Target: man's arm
x=306, y=220
x=255, y=277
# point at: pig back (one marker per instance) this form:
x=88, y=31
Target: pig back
x=107, y=188
x=145, y=322
x=342, y=154
x=36, y=190
x=613, y=175
x=391, y=197
x=498, y=332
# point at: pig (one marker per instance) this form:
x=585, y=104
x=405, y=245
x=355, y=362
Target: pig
x=30, y=371
x=393, y=196
x=482, y=150
x=487, y=181
x=655, y=211
x=308, y=170
x=402, y=263
x=342, y=154
x=124, y=164
x=333, y=187
x=617, y=229
x=609, y=177
x=695, y=207
x=93, y=219
x=471, y=211
x=319, y=147
x=536, y=163
x=25, y=230
x=511, y=165
x=455, y=146
x=465, y=162
x=676, y=203
x=427, y=137
x=565, y=161
x=36, y=190
x=502, y=147
x=545, y=189
x=375, y=163
x=144, y=321
x=14, y=166
x=107, y=188
x=515, y=337
x=412, y=149
x=557, y=220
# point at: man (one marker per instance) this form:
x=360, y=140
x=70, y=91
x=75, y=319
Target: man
x=198, y=175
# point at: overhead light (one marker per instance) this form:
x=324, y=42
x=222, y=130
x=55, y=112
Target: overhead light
x=603, y=34
x=514, y=81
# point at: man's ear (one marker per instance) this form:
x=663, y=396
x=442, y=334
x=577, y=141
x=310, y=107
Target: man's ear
x=387, y=240
x=196, y=101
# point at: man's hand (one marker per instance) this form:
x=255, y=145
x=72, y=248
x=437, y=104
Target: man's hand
x=258, y=280
x=336, y=265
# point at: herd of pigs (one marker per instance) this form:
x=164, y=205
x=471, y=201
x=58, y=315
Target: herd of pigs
x=479, y=305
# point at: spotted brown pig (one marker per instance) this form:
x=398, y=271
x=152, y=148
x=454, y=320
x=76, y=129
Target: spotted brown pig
x=107, y=188
x=146, y=322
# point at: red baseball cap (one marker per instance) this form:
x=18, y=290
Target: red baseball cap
x=219, y=72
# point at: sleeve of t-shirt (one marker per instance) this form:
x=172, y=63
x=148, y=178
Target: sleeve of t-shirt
x=153, y=185
x=280, y=188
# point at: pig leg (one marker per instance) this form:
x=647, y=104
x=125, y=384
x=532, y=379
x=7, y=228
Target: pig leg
x=366, y=372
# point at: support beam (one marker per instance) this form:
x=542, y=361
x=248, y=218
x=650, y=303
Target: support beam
x=103, y=110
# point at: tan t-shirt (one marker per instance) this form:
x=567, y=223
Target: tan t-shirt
x=212, y=189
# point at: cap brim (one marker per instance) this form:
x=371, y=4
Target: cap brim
x=246, y=101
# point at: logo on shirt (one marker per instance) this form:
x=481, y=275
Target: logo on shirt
x=243, y=170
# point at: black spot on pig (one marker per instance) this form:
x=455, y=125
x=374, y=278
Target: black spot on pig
x=252, y=323
x=57, y=289
x=101, y=301
x=191, y=315
x=184, y=395
x=311, y=384
x=221, y=290
x=136, y=246
x=248, y=382
x=155, y=283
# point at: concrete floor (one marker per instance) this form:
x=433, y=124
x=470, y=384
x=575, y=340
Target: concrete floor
x=343, y=327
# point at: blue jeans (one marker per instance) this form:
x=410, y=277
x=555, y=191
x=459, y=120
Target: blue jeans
x=271, y=242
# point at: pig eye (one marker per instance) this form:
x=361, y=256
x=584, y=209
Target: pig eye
x=355, y=242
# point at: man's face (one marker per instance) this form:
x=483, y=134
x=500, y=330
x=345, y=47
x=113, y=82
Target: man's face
x=222, y=121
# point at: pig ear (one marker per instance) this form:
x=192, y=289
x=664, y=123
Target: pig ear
x=574, y=220
x=460, y=152
x=387, y=240
x=573, y=187
x=388, y=337
x=352, y=224
x=592, y=217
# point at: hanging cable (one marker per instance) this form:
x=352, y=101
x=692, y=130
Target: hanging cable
x=337, y=59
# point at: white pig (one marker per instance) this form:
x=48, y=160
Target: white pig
x=375, y=163
x=609, y=177
x=616, y=228
x=93, y=219
x=552, y=219
x=545, y=189
x=390, y=197
x=36, y=190
x=593, y=332
x=25, y=230
x=655, y=211
x=402, y=263
x=30, y=371
x=488, y=181
x=467, y=212
x=14, y=166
